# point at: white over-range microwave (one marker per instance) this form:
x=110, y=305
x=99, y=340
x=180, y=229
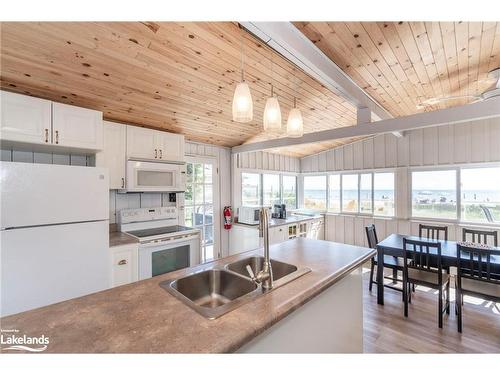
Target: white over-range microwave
x=147, y=176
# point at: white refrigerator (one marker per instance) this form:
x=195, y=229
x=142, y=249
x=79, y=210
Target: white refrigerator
x=54, y=236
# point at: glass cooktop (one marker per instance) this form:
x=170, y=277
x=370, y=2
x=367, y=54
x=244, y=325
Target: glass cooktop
x=143, y=233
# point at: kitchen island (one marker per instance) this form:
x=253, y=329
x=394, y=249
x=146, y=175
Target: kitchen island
x=320, y=311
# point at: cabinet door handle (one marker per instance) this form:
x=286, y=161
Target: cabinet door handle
x=57, y=137
x=123, y=182
x=156, y=153
x=122, y=262
x=161, y=154
x=46, y=135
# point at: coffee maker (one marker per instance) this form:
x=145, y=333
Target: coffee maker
x=279, y=211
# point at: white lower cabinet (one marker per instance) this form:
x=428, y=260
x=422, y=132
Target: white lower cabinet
x=315, y=229
x=124, y=264
x=278, y=234
x=246, y=237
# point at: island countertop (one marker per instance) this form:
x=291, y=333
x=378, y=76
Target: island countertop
x=291, y=219
x=143, y=318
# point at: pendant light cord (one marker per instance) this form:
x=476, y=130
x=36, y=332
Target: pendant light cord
x=272, y=75
x=242, y=55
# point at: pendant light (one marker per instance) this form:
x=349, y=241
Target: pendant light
x=295, y=124
x=272, y=111
x=242, y=99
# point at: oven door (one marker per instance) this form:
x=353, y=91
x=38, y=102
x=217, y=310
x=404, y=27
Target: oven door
x=143, y=176
x=169, y=255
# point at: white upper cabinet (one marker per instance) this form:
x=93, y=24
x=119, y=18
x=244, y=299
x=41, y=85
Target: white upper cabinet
x=76, y=127
x=34, y=121
x=170, y=146
x=141, y=143
x=25, y=119
x=113, y=156
x=150, y=144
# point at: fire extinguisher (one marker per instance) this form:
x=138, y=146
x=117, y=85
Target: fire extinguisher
x=228, y=219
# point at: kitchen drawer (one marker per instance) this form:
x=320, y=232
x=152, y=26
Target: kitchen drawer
x=124, y=267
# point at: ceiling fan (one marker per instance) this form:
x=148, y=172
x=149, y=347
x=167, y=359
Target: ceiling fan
x=491, y=92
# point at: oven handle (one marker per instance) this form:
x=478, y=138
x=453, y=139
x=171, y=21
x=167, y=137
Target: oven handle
x=173, y=240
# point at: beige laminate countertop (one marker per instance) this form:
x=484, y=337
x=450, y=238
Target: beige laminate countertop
x=291, y=219
x=143, y=318
x=120, y=238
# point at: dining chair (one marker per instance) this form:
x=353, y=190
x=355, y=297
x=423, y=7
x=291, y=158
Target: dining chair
x=487, y=213
x=480, y=236
x=393, y=263
x=433, y=231
x=419, y=256
x=474, y=276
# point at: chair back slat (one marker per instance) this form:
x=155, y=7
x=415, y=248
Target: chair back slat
x=417, y=255
x=371, y=235
x=475, y=263
x=480, y=236
x=433, y=231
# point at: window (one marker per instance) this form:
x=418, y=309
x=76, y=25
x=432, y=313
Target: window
x=250, y=189
x=383, y=194
x=434, y=194
x=271, y=189
x=350, y=193
x=315, y=192
x=268, y=189
x=334, y=192
x=365, y=193
x=480, y=194
x=289, y=194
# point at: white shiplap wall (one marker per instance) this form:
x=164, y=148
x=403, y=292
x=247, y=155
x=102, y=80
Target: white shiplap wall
x=269, y=161
x=260, y=161
x=471, y=142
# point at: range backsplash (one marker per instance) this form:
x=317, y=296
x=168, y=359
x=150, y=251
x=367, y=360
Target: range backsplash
x=118, y=201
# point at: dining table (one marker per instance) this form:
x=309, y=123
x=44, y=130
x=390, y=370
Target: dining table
x=393, y=245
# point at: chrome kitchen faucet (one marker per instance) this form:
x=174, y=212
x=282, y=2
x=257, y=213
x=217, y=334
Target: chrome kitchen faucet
x=264, y=277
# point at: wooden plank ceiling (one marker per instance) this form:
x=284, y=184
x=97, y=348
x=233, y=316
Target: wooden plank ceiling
x=178, y=77
x=402, y=64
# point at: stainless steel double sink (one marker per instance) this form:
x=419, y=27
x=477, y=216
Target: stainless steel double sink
x=217, y=290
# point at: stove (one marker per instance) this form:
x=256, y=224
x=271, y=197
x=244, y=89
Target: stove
x=164, y=245
x=161, y=231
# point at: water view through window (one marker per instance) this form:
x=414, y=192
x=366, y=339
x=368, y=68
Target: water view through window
x=480, y=194
x=315, y=192
x=434, y=194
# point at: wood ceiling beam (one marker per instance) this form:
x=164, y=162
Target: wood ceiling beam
x=291, y=43
x=470, y=112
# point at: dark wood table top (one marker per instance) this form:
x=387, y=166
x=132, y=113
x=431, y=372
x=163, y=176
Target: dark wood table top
x=393, y=245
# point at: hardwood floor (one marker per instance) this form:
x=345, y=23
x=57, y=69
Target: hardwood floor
x=386, y=330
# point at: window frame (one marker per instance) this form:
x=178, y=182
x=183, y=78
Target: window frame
x=327, y=186
x=458, y=168
x=261, y=174
x=357, y=172
x=434, y=169
x=260, y=194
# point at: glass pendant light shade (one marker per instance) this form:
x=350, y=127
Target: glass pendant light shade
x=295, y=125
x=272, y=114
x=242, y=103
